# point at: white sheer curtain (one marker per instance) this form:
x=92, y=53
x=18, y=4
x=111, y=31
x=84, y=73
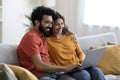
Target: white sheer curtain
x=98, y=16
x=102, y=12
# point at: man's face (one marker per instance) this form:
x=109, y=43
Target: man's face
x=46, y=25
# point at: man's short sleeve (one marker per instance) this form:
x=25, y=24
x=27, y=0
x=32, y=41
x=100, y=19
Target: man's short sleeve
x=31, y=45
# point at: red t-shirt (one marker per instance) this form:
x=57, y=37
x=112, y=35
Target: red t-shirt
x=32, y=43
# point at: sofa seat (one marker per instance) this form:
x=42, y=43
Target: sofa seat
x=112, y=77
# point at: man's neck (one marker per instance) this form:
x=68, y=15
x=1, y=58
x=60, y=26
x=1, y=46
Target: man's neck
x=36, y=28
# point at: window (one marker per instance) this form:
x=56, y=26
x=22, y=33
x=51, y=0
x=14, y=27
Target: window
x=102, y=12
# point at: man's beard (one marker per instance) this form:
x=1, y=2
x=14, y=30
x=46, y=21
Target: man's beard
x=46, y=31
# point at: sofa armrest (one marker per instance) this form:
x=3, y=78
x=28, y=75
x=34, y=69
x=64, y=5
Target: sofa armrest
x=8, y=54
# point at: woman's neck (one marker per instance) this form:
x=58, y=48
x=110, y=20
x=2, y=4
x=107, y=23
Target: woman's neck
x=58, y=36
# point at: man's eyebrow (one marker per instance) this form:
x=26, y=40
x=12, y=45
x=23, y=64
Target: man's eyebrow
x=48, y=21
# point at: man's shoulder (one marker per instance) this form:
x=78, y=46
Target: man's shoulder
x=31, y=34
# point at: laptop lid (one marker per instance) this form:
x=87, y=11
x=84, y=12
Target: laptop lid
x=93, y=57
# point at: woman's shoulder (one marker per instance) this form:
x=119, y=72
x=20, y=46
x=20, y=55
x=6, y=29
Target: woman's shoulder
x=72, y=37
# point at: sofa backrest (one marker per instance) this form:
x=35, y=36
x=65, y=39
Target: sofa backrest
x=8, y=54
x=97, y=40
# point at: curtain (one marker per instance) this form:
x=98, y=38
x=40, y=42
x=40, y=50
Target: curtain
x=85, y=29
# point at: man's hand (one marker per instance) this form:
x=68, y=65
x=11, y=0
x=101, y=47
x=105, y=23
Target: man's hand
x=72, y=67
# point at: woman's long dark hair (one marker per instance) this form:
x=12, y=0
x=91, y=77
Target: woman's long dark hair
x=65, y=29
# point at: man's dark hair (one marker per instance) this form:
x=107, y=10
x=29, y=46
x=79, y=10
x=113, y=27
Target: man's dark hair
x=38, y=13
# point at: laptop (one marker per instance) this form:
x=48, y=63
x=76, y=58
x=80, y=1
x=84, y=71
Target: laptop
x=93, y=57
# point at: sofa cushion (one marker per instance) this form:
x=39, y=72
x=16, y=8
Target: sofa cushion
x=6, y=73
x=22, y=73
x=110, y=62
x=8, y=54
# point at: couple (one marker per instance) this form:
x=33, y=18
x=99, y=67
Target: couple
x=49, y=49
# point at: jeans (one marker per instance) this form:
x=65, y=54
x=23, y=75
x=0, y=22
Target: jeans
x=48, y=76
x=56, y=76
x=91, y=73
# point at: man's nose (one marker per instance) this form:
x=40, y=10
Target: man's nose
x=50, y=25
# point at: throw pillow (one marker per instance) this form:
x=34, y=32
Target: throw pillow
x=110, y=62
x=6, y=73
x=22, y=73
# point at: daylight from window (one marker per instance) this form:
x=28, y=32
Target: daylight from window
x=102, y=12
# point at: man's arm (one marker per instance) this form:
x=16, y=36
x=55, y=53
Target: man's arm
x=40, y=65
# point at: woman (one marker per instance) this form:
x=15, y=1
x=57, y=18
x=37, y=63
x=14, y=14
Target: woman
x=64, y=50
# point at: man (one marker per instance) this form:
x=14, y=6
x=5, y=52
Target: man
x=33, y=49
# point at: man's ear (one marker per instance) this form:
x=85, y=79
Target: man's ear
x=37, y=22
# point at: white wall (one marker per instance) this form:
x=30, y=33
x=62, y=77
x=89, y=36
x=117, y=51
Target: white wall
x=14, y=19
x=0, y=32
x=68, y=9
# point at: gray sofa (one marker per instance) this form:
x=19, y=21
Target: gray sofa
x=8, y=52
x=99, y=40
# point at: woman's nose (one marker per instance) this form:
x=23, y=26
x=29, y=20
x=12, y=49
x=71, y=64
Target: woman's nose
x=60, y=26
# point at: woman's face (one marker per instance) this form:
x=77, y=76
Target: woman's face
x=58, y=26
